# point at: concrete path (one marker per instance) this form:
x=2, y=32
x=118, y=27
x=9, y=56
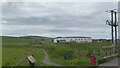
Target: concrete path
x=46, y=59
x=113, y=62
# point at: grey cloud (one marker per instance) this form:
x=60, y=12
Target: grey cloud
x=59, y=18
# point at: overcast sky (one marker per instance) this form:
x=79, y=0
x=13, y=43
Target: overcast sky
x=56, y=19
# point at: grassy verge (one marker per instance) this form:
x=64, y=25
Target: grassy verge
x=13, y=56
x=79, y=52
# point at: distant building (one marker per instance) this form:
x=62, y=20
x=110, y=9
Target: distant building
x=101, y=40
x=73, y=39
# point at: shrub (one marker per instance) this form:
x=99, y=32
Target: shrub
x=89, y=54
x=101, y=61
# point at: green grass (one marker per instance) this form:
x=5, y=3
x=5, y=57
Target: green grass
x=0, y=51
x=11, y=56
x=16, y=42
x=79, y=52
x=15, y=49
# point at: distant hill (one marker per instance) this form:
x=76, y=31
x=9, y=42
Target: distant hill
x=9, y=41
x=37, y=37
x=26, y=37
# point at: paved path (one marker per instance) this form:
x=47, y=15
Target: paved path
x=113, y=62
x=46, y=59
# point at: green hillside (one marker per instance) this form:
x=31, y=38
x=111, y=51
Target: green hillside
x=26, y=41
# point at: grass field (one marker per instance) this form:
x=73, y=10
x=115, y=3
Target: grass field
x=13, y=56
x=79, y=52
x=16, y=42
x=15, y=49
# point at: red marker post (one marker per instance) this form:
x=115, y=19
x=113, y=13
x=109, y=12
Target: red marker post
x=93, y=59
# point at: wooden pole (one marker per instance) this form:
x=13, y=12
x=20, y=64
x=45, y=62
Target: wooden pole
x=115, y=28
x=112, y=26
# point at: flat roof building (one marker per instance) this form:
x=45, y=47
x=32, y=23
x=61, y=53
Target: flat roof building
x=73, y=39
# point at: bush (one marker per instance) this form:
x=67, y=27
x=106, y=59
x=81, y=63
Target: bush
x=101, y=61
x=89, y=54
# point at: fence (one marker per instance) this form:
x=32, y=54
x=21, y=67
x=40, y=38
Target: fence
x=108, y=51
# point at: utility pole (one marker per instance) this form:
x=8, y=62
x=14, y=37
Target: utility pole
x=115, y=27
x=113, y=24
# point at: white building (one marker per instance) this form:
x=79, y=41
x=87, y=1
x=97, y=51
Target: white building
x=73, y=39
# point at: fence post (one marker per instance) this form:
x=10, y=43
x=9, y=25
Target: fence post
x=101, y=52
x=113, y=49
